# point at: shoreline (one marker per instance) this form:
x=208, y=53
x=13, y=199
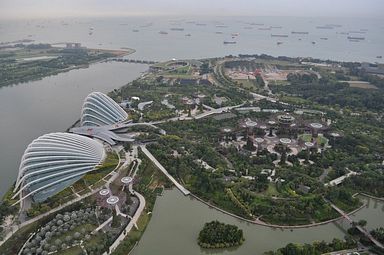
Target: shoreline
x=274, y=226
x=118, y=53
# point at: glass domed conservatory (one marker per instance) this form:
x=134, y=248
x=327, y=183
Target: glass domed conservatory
x=53, y=162
x=100, y=110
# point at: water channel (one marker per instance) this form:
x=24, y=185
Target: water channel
x=177, y=220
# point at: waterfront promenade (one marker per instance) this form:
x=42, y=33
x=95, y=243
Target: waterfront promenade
x=256, y=221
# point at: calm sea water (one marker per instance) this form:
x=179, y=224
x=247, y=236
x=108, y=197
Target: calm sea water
x=204, y=41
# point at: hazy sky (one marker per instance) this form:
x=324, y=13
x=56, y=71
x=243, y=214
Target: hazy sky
x=61, y=8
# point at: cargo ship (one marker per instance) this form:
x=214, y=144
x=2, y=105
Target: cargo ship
x=324, y=27
x=355, y=38
x=275, y=35
x=177, y=29
x=300, y=32
x=229, y=42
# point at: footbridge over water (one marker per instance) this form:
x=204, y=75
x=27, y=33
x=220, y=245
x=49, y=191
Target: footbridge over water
x=360, y=228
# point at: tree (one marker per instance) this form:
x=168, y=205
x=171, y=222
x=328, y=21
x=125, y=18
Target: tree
x=219, y=235
x=362, y=223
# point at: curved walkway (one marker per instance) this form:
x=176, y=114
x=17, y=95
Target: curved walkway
x=132, y=223
x=262, y=223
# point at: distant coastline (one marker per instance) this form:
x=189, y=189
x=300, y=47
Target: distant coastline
x=36, y=61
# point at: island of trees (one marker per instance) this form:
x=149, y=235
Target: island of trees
x=219, y=235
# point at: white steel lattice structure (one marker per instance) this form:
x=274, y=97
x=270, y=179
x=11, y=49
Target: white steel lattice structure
x=100, y=110
x=53, y=162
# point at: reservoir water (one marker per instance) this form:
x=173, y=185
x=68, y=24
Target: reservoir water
x=177, y=220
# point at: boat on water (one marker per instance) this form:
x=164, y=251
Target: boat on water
x=324, y=27
x=201, y=24
x=300, y=32
x=277, y=27
x=221, y=26
x=379, y=56
x=278, y=43
x=177, y=29
x=219, y=33
x=135, y=30
x=229, y=42
x=355, y=38
x=357, y=32
x=264, y=28
x=276, y=35
x=235, y=34
x=324, y=38
x=163, y=33
x=187, y=34
x=333, y=25
x=313, y=42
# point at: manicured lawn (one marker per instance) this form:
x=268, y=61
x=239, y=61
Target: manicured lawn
x=271, y=190
x=248, y=84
